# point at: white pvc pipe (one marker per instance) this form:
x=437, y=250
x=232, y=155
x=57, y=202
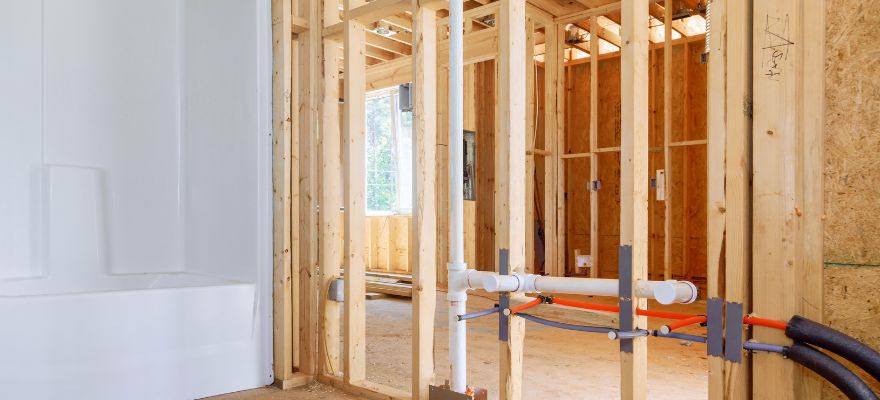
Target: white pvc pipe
x=665, y=292
x=457, y=294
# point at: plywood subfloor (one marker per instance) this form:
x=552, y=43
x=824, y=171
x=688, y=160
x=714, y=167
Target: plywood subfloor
x=558, y=364
x=313, y=391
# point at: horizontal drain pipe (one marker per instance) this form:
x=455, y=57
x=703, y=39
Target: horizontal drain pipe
x=665, y=292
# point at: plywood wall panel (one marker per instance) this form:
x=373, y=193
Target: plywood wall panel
x=609, y=103
x=687, y=181
x=852, y=174
x=485, y=127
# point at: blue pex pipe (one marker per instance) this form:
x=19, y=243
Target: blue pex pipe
x=562, y=325
x=681, y=336
x=478, y=314
x=755, y=346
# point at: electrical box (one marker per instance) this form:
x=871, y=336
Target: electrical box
x=404, y=97
x=661, y=185
x=582, y=260
x=337, y=290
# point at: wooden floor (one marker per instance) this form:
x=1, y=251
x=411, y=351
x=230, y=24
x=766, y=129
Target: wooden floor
x=559, y=364
x=313, y=391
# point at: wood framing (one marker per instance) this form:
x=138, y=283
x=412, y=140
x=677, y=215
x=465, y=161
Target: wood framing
x=737, y=272
x=282, y=145
x=510, y=167
x=763, y=239
x=716, y=218
x=442, y=170
x=667, y=138
x=562, y=82
x=354, y=153
x=633, y=183
x=331, y=202
x=479, y=46
x=309, y=59
x=531, y=126
x=554, y=105
x=594, y=159
x=787, y=194
x=424, y=250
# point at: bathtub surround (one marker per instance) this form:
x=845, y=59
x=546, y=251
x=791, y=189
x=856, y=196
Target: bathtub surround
x=136, y=167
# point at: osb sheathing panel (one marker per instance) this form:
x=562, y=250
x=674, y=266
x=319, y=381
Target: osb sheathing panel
x=851, y=305
x=852, y=172
x=852, y=142
x=485, y=164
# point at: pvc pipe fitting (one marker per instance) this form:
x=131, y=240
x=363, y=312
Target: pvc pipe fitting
x=458, y=281
x=665, y=292
x=668, y=292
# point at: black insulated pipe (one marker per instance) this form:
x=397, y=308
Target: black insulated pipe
x=807, y=331
x=844, y=379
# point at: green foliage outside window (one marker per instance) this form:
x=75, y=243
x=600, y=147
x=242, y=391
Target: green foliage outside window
x=381, y=168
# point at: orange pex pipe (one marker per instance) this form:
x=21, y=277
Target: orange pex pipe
x=664, y=314
x=586, y=306
x=770, y=323
x=689, y=318
x=685, y=322
x=614, y=309
x=526, y=306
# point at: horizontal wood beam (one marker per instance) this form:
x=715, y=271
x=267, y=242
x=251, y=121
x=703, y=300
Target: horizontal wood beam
x=601, y=32
x=540, y=15
x=299, y=24
x=479, y=46
x=366, y=14
x=653, y=46
x=590, y=12
x=400, y=20
x=657, y=11
x=386, y=43
x=481, y=11
x=586, y=14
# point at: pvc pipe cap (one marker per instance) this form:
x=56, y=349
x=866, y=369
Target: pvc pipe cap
x=664, y=292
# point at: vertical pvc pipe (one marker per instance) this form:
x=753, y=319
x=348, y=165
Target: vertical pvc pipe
x=457, y=291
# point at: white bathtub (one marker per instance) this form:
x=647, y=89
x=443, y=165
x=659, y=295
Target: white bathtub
x=135, y=198
x=146, y=336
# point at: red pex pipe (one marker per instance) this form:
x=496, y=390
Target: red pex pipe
x=770, y=323
x=749, y=320
x=586, y=306
x=685, y=322
x=526, y=306
x=664, y=314
x=614, y=309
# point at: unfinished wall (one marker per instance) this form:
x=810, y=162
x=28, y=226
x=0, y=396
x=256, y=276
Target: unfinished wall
x=484, y=125
x=686, y=182
x=852, y=172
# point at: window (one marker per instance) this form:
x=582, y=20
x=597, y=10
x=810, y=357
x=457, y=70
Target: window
x=389, y=155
